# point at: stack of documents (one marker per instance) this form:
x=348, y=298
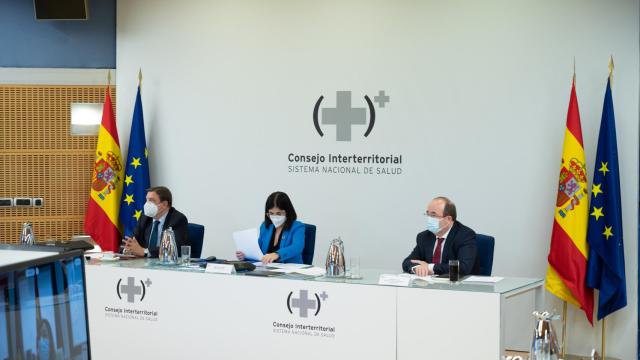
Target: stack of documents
x=300, y=269
x=287, y=267
x=405, y=279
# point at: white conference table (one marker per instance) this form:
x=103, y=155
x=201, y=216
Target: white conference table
x=140, y=309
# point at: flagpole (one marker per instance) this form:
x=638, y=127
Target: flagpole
x=108, y=78
x=140, y=78
x=604, y=319
x=564, y=324
x=564, y=303
x=604, y=328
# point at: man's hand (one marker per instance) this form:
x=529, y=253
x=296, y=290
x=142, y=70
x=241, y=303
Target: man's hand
x=422, y=269
x=240, y=255
x=133, y=247
x=269, y=258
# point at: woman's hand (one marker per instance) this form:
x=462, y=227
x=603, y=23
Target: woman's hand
x=240, y=255
x=269, y=258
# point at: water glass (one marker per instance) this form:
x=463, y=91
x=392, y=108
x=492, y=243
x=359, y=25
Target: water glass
x=185, y=254
x=354, y=267
x=454, y=270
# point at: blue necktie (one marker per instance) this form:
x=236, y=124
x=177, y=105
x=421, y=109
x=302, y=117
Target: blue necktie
x=153, y=237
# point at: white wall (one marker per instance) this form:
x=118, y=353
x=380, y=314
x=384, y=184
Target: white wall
x=479, y=94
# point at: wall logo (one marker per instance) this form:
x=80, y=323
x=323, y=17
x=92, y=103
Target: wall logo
x=304, y=303
x=131, y=289
x=343, y=116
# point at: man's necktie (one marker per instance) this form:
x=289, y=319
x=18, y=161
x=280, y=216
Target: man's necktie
x=153, y=237
x=438, y=253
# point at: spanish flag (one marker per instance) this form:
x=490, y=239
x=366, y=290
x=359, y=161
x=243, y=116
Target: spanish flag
x=101, y=219
x=568, y=254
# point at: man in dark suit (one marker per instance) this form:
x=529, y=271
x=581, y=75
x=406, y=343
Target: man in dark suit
x=159, y=215
x=445, y=239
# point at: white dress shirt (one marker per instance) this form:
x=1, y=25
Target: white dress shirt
x=157, y=240
x=430, y=266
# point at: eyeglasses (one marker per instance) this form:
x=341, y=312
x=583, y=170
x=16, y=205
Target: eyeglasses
x=433, y=215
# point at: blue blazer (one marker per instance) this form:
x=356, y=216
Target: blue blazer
x=291, y=242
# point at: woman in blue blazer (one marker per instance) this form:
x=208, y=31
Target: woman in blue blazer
x=281, y=234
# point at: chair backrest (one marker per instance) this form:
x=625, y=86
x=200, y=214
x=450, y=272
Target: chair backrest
x=196, y=236
x=485, y=245
x=309, y=243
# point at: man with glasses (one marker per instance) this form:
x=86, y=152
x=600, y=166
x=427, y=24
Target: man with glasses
x=445, y=239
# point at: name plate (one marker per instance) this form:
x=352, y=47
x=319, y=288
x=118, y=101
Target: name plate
x=394, y=280
x=220, y=268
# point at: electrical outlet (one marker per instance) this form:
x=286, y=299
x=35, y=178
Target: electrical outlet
x=22, y=202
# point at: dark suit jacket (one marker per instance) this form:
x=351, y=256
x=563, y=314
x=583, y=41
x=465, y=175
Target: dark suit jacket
x=460, y=245
x=175, y=219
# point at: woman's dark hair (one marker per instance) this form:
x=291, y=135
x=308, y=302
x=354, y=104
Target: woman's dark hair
x=43, y=324
x=281, y=201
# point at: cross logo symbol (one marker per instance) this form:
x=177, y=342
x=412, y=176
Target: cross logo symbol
x=303, y=303
x=381, y=98
x=343, y=116
x=131, y=289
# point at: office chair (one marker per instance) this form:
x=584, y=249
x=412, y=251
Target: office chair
x=309, y=243
x=485, y=245
x=195, y=236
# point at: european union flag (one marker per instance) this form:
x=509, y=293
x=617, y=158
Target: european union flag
x=136, y=178
x=605, y=267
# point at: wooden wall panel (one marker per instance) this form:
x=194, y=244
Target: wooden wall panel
x=39, y=158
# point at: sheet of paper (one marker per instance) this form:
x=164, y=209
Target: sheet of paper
x=482, y=279
x=312, y=271
x=247, y=242
x=309, y=271
x=394, y=280
x=430, y=278
x=436, y=279
x=284, y=271
x=416, y=277
x=288, y=266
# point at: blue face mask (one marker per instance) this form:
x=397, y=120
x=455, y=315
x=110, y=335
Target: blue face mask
x=43, y=349
x=433, y=224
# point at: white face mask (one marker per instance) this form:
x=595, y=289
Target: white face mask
x=278, y=220
x=433, y=224
x=150, y=209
